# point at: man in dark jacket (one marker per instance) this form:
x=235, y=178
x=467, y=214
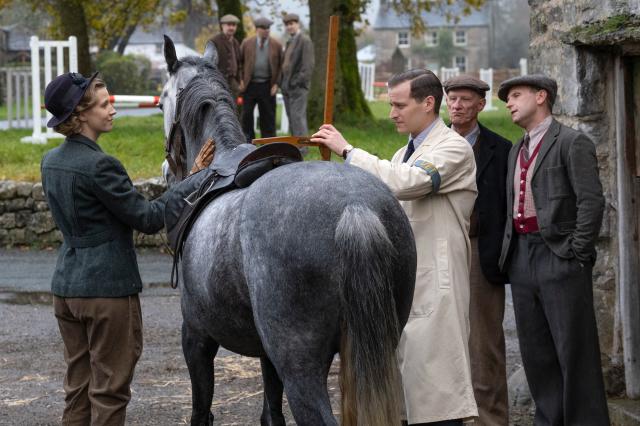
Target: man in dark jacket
x=554, y=212
x=229, y=52
x=96, y=280
x=296, y=75
x=465, y=100
x=261, y=57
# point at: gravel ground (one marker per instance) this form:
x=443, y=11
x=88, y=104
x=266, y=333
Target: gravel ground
x=32, y=365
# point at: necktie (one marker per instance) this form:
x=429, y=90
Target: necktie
x=261, y=43
x=525, y=145
x=410, y=150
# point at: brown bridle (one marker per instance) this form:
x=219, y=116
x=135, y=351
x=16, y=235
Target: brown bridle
x=174, y=144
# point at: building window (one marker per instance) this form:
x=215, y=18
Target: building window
x=460, y=38
x=431, y=38
x=460, y=62
x=403, y=39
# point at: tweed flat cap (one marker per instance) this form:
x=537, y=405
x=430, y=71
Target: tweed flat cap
x=466, y=82
x=290, y=17
x=263, y=22
x=229, y=19
x=537, y=81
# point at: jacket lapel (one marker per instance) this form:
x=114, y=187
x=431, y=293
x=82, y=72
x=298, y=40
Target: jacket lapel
x=486, y=150
x=434, y=135
x=547, y=142
x=513, y=160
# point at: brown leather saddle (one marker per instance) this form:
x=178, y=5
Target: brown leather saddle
x=234, y=169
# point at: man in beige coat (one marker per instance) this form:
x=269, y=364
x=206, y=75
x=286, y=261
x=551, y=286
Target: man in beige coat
x=434, y=179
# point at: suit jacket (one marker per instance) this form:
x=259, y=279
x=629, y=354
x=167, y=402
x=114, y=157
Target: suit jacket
x=227, y=51
x=248, y=59
x=437, y=190
x=491, y=204
x=567, y=194
x=96, y=207
x=298, y=63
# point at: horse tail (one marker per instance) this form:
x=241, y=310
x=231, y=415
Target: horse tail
x=369, y=376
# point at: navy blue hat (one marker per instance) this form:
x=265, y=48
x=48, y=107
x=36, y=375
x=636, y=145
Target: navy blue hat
x=63, y=95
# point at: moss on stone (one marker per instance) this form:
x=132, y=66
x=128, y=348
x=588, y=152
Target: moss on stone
x=617, y=28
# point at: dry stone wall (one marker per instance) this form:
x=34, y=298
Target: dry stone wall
x=25, y=219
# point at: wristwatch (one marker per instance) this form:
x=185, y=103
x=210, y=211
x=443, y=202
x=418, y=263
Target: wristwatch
x=347, y=149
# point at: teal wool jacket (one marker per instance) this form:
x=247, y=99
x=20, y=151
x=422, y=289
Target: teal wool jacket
x=96, y=207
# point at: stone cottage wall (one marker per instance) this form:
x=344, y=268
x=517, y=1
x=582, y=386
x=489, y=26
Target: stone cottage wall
x=25, y=218
x=586, y=102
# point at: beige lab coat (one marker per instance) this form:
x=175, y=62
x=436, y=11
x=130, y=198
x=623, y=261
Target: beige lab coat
x=433, y=352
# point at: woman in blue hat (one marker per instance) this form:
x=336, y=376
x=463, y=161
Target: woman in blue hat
x=96, y=282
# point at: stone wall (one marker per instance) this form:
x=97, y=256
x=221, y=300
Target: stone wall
x=25, y=218
x=586, y=102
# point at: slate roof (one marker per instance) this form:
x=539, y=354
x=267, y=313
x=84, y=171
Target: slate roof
x=388, y=18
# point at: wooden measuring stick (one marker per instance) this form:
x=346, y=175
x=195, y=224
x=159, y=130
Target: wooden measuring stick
x=325, y=152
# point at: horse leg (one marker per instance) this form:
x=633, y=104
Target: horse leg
x=305, y=382
x=273, y=388
x=199, y=352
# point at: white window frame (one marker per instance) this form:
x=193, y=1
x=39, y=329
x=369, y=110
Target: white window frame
x=455, y=38
x=403, y=34
x=463, y=68
x=431, y=38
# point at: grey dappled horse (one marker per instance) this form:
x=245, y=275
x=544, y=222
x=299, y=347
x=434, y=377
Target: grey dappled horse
x=312, y=259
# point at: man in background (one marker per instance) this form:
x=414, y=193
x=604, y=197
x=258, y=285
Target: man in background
x=261, y=57
x=296, y=75
x=229, y=52
x=465, y=100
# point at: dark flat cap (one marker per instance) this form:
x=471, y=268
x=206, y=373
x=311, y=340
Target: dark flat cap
x=466, y=82
x=291, y=17
x=263, y=22
x=537, y=81
x=229, y=19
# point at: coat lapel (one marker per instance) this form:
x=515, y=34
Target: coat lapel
x=547, y=142
x=486, y=150
x=513, y=160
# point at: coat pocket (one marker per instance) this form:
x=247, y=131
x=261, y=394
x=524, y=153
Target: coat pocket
x=425, y=293
x=442, y=262
x=558, y=183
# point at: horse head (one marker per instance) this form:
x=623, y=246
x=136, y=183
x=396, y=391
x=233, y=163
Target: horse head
x=197, y=105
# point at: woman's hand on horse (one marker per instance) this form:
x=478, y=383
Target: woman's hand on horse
x=205, y=156
x=330, y=137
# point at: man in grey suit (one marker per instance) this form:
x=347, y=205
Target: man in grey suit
x=555, y=207
x=296, y=75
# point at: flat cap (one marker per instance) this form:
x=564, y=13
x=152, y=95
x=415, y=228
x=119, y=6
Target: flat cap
x=263, y=22
x=290, y=17
x=466, y=82
x=229, y=19
x=537, y=81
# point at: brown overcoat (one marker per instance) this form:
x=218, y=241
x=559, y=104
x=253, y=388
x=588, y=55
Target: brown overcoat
x=248, y=59
x=228, y=58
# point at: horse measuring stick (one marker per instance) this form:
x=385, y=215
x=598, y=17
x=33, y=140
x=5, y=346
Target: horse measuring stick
x=332, y=48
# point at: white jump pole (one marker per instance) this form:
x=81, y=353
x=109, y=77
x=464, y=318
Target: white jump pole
x=37, y=136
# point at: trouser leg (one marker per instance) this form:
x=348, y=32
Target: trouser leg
x=114, y=332
x=487, y=346
x=267, y=111
x=297, y=111
x=77, y=411
x=566, y=293
x=248, y=105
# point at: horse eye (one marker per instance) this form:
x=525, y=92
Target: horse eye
x=160, y=106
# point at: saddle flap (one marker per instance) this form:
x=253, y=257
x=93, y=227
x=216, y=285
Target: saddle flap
x=264, y=159
x=225, y=163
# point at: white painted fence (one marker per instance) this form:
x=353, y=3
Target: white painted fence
x=36, y=88
x=486, y=75
x=17, y=96
x=367, y=78
x=447, y=73
x=523, y=66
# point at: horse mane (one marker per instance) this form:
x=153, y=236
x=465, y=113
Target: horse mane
x=208, y=109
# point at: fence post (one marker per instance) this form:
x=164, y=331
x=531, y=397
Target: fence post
x=486, y=75
x=36, y=137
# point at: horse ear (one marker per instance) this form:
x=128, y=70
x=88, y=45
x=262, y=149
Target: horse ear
x=170, y=55
x=211, y=53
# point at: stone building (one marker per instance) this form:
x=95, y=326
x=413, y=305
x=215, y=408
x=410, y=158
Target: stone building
x=592, y=48
x=14, y=45
x=465, y=43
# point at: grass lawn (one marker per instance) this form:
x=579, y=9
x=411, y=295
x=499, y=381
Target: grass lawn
x=139, y=142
